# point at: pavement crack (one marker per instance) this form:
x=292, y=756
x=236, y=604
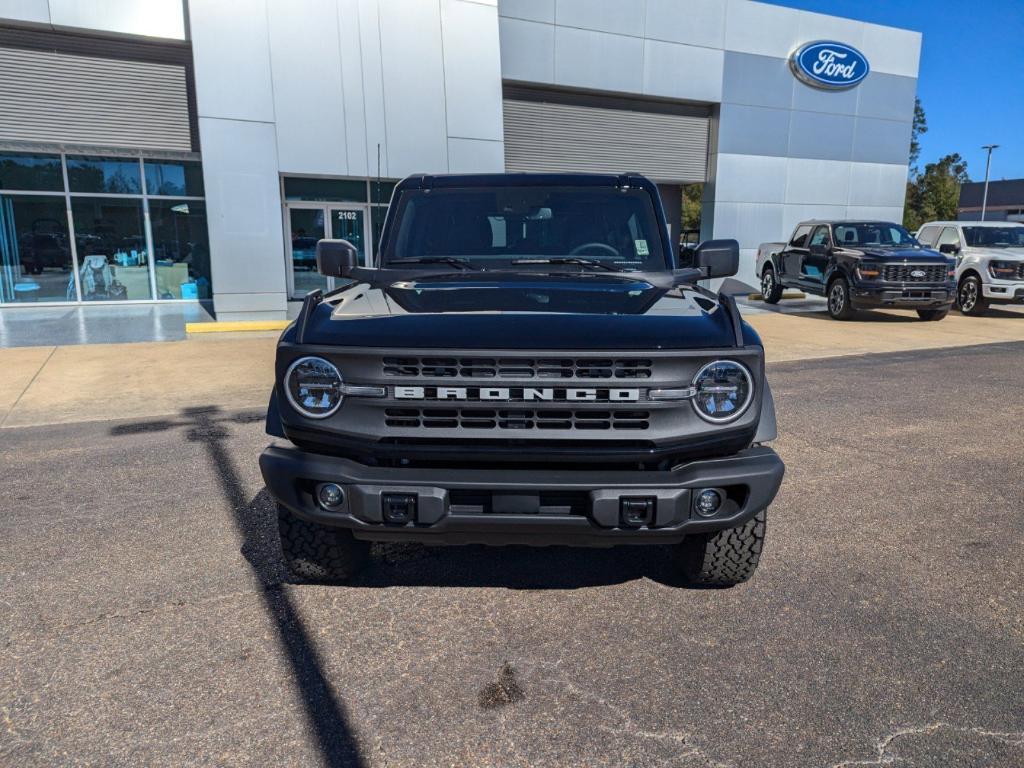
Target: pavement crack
x=627, y=725
x=885, y=755
x=166, y=607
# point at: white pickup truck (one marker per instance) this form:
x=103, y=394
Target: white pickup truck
x=989, y=260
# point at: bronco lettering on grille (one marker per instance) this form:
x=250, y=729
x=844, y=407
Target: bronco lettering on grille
x=517, y=394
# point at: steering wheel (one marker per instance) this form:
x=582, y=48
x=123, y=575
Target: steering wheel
x=579, y=249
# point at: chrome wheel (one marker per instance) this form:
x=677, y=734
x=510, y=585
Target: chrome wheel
x=837, y=298
x=767, y=283
x=968, y=295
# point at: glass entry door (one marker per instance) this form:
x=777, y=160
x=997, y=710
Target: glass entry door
x=350, y=224
x=308, y=224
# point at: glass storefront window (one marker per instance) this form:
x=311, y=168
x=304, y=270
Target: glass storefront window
x=112, y=260
x=380, y=191
x=35, y=250
x=181, y=248
x=329, y=190
x=31, y=173
x=116, y=175
x=307, y=227
x=173, y=179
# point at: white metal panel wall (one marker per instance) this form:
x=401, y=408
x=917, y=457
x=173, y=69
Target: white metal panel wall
x=71, y=99
x=542, y=136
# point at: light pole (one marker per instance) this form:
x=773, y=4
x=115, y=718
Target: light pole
x=988, y=164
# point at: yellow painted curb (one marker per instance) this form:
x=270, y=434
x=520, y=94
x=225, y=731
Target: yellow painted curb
x=790, y=295
x=239, y=325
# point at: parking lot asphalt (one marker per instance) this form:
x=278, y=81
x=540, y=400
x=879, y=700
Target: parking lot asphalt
x=145, y=617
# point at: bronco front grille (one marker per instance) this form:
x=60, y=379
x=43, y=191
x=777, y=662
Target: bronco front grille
x=517, y=368
x=904, y=273
x=515, y=418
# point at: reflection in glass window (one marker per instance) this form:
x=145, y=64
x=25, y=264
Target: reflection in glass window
x=330, y=190
x=35, y=251
x=112, y=258
x=118, y=175
x=380, y=191
x=19, y=171
x=173, y=178
x=181, y=249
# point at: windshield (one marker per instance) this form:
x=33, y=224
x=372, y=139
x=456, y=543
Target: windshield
x=994, y=237
x=496, y=227
x=872, y=233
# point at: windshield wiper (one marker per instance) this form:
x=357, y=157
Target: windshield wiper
x=449, y=260
x=569, y=260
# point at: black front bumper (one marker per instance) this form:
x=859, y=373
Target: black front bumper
x=539, y=507
x=902, y=295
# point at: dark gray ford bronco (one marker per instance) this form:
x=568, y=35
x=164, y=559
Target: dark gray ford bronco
x=524, y=364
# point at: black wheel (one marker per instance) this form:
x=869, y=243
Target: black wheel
x=724, y=558
x=771, y=288
x=932, y=314
x=839, y=307
x=969, y=297
x=318, y=553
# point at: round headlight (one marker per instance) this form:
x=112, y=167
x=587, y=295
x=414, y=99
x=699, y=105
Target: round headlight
x=313, y=386
x=724, y=389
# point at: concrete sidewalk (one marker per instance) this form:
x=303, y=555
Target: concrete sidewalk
x=64, y=384
x=56, y=385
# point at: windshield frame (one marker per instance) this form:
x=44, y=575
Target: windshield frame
x=648, y=218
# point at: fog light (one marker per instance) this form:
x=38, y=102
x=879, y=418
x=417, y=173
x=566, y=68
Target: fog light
x=708, y=502
x=331, y=496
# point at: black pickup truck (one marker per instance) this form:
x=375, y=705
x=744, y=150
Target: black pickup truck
x=859, y=265
x=523, y=365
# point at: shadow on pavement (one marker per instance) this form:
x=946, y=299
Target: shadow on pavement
x=326, y=712
x=512, y=567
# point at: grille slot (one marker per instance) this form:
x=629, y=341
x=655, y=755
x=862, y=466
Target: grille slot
x=516, y=368
x=515, y=419
x=547, y=502
x=900, y=273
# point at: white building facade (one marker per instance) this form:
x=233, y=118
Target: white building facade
x=229, y=136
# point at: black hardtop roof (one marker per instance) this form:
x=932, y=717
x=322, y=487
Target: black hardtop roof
x=428, y=181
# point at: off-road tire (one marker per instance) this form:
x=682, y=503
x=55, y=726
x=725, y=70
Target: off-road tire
x=771, y=288
x=723, y=558
x=970, y=300
x=839, y=307
x=318, y=553
x=931, y=315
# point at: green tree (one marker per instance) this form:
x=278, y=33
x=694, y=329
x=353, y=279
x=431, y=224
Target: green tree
x=692, y=194
x=919, y=126
x=935, y=194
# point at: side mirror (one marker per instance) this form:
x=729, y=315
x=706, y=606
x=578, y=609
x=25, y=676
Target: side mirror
x=818, y=249
x=336, y=258
x=718, y=258
x=950, y=248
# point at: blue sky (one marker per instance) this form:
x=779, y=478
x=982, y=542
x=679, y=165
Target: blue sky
x=972, y=73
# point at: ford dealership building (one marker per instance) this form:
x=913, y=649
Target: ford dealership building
x=161, y=150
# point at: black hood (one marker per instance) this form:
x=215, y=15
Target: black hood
x=522, y=311
x=900, y=253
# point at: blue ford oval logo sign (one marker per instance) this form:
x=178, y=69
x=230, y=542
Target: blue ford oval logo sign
x=828, y=64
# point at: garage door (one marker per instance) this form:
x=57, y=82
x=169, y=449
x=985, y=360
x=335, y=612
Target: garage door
x=552, y=137
x=58, y=96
